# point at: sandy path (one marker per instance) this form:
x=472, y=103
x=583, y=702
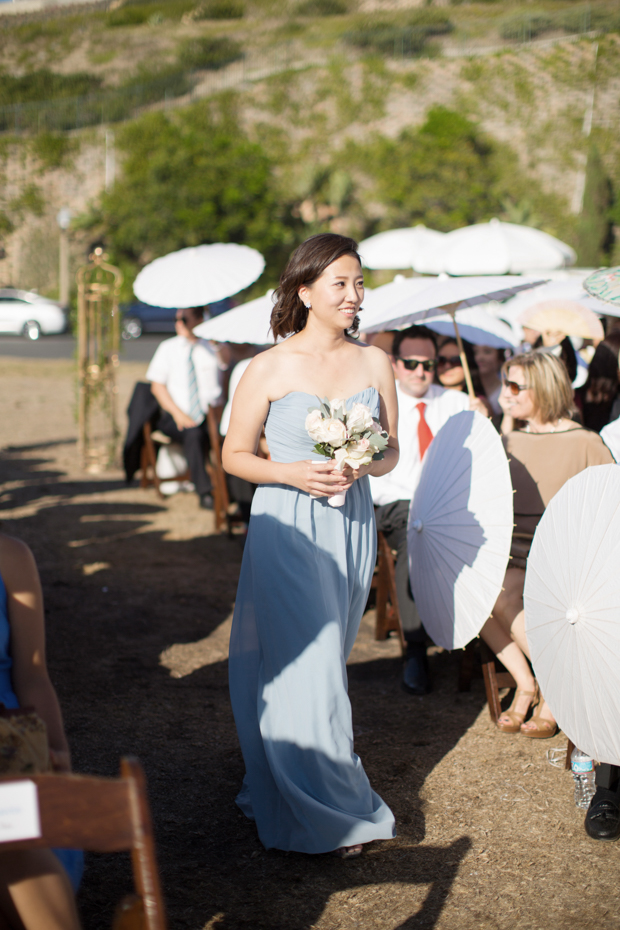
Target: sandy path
x=139, y=596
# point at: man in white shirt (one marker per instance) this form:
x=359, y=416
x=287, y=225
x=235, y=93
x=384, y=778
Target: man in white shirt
x=423, y=409
x=185, y=380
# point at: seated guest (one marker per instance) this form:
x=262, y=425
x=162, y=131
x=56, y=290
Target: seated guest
x=184, y=376
x=600, y=395
x=489, y=362
x=35, y=891
x=603, y=817
x=549, y=450
x=424, y=407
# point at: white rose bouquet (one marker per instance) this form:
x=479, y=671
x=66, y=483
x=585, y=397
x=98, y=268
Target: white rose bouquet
x=351, y=437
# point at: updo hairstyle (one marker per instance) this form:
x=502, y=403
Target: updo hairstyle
x=547, y=378
x=306, y=264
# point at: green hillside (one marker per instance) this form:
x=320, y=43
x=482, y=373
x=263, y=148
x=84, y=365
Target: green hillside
x=262, y=122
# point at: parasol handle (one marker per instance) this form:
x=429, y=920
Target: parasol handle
x=451, y=309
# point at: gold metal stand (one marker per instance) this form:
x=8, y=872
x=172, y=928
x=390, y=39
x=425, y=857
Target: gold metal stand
x=98, y=346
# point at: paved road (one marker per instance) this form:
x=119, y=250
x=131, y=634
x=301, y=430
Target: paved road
x=135, y=350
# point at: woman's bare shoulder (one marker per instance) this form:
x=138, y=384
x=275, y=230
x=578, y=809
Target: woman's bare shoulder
x=15, y=556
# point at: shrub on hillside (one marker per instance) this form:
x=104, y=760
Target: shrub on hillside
x=526, y=26
x=46, y=85
x=128, y=16
x=209, y=52
x=322, y=8
x=219, y=9
x=383, y=38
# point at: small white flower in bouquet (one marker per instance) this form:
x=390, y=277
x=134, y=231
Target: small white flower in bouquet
x=351, y=437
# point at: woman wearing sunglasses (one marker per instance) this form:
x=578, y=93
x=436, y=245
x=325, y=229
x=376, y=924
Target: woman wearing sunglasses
x=549, y=450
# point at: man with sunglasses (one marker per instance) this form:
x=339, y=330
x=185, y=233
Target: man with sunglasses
x=424, y=407
x=185, y=380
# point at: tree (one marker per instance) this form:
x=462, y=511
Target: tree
x=447, y=174
x=191, y=177
x=594, y=229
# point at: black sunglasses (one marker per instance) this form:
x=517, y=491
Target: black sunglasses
x=429, y=364
x=449, y=361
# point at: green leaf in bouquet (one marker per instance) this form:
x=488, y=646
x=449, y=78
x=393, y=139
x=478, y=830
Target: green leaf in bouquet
x=378, y=457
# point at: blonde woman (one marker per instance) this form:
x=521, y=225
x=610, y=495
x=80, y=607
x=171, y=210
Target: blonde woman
x=549, y=450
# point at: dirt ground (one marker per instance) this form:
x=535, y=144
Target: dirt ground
x=139, y=595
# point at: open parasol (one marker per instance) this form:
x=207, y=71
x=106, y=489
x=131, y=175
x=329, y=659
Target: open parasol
x=572, y=610
x=251, y=322
x=199, y=275
x=477, y=326
x=449, y=295
x=460, y=529
x=604, y=284
x=495, y=248
x=397, y=248
x=563, y=316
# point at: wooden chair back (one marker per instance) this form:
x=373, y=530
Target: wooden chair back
x=103, y=815
x=221, y=498
x=384, y=581
x=148, y=463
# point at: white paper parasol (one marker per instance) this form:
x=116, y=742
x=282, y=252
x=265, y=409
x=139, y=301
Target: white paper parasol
x=397, y=248
x=199, y=275
x=572, y=290
x=572, y=610
x=379, y=302
x=460, y=529
x=450, y=295
x=604, y=285
x=251, y=322
x=477, y=326
x=495, y=248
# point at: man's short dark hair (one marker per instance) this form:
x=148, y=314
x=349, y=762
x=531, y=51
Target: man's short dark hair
x=413, y=332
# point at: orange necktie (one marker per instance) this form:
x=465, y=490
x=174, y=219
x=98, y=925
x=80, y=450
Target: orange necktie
x=425, y=437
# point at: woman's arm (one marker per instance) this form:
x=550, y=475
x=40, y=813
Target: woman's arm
x=26, y=619
x=249, y=412
x=388, y=416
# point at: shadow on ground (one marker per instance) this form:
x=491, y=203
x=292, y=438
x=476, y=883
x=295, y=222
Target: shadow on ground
x=120, y=589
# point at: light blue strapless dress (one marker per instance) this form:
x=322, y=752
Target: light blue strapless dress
x=304, y=582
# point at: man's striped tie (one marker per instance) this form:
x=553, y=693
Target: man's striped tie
x=195, y=410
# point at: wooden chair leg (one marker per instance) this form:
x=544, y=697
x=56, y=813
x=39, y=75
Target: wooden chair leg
x=490, y=682
x=466, y=668
x=388, y=615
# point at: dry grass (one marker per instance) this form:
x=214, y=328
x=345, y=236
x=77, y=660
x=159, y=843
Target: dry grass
x=139, y=596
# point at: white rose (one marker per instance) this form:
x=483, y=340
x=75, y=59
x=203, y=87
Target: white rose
x=355, y=454
x=359, y=419
x=331, y=431
x=314, y=421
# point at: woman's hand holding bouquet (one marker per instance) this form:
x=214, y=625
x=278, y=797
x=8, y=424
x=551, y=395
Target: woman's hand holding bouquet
x=351, y=438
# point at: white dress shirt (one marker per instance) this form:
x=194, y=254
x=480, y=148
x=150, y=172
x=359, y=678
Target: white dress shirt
x=170, y=366
x=236, y=376
x=610, y=435
x=441, y=404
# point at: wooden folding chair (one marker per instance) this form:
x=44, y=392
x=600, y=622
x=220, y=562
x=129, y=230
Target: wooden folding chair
x=384, y=581
x=148, y=463
x=103, y=815
x=494, y=678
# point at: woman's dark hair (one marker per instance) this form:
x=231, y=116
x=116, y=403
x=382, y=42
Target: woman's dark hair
x=306, y=264
x=602, y=386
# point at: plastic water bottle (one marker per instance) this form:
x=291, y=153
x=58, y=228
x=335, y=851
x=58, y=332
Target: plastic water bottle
x=582, y=767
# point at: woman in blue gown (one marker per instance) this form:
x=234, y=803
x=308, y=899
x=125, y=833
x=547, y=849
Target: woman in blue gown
x=307, y=566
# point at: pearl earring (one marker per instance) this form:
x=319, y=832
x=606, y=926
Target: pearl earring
x=308, y=306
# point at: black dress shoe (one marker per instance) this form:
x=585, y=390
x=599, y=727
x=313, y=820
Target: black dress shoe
x=415, y=672
x=206, y=501
x=603, y=818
